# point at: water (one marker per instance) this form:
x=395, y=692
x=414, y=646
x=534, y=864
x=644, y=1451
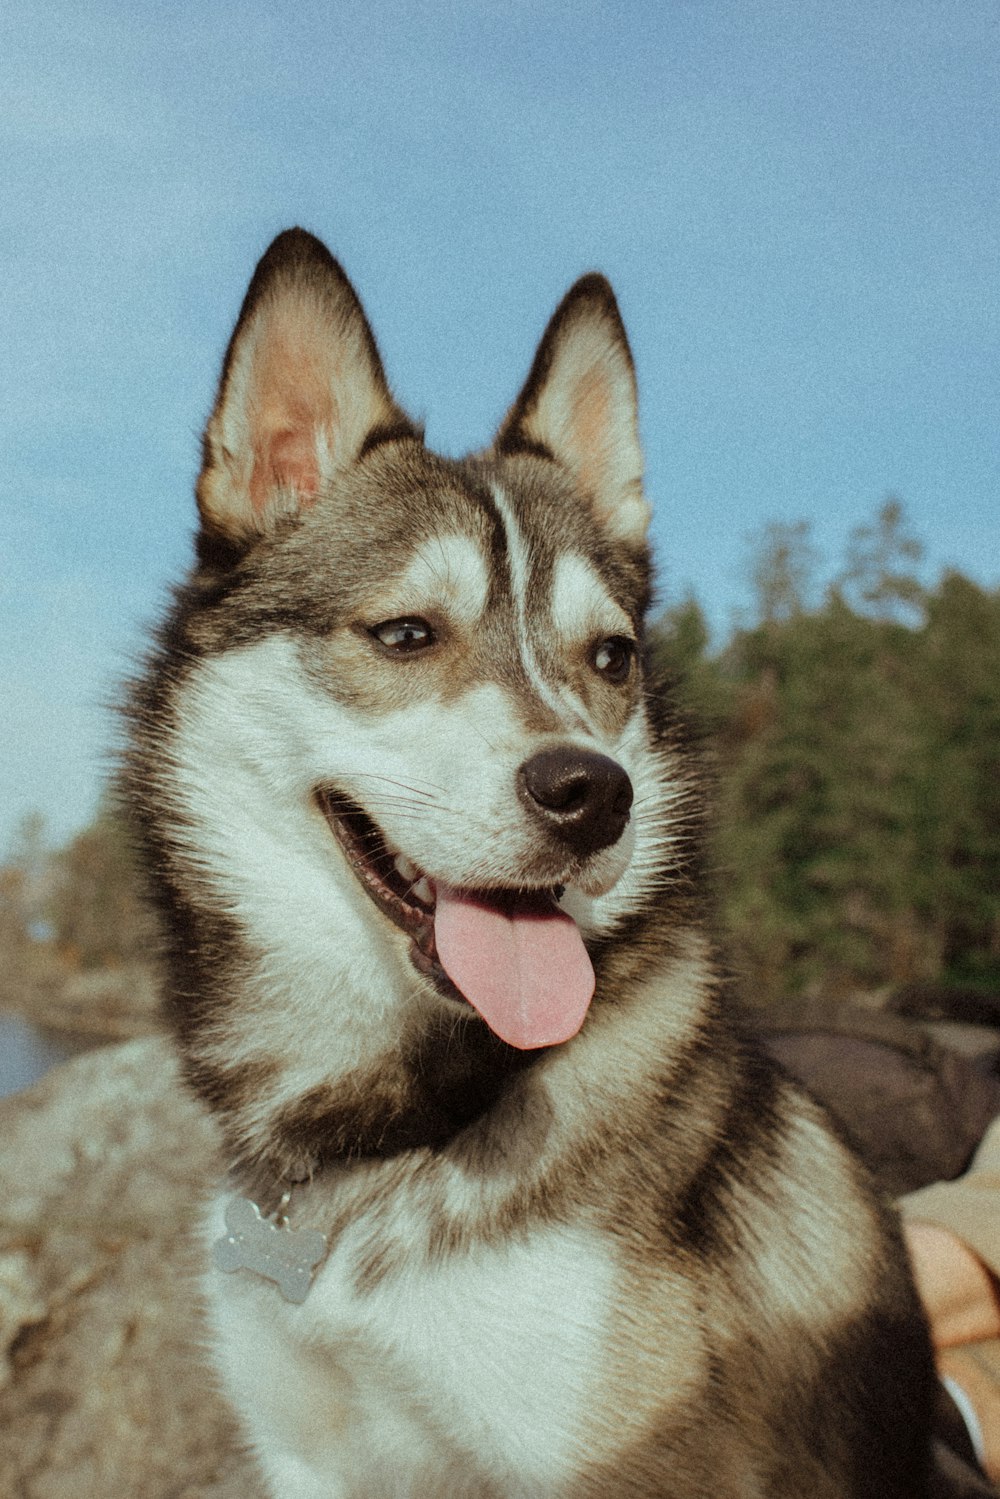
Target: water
x=27, y=1053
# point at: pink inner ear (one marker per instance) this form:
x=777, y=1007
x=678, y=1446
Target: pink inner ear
x=590, y=424
x=287, y=459
x=291, y=404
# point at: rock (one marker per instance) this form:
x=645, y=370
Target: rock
x=20, y=1304
x=103, y=1391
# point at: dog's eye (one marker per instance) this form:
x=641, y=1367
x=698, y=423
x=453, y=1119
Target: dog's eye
x=613, y=658
x=404, y=634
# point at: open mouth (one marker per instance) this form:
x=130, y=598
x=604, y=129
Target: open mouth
x=512, y=955
x=393, y=881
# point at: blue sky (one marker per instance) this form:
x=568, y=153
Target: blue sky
x=797, y=205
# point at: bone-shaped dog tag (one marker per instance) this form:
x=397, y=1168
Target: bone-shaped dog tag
x=285, y=1255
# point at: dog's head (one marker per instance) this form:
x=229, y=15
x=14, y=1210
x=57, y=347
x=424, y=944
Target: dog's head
x=406, y=719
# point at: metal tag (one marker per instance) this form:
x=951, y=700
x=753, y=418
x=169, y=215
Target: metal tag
x=285, y=1255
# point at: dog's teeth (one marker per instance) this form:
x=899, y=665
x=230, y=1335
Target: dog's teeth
x=406, y=867
x=422, y=890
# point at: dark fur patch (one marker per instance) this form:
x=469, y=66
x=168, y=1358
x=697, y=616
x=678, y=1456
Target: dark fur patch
x=747, y=1134
x=422, y=1095
x=878, y=1376
x=766, y=1422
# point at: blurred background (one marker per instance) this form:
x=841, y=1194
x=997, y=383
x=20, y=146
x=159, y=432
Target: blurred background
x=797, y=207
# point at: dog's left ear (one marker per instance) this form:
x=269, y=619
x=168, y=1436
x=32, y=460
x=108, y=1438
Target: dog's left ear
x=580, y=407
x=301, y=396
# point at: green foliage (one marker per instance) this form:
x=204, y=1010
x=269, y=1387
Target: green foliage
x=857, y=748
x=880, y=559
x=679, y=645
x=782, y=567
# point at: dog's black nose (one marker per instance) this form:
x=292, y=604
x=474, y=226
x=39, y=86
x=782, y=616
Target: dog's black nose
x=584, y=798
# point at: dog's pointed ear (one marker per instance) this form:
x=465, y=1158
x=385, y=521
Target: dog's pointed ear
x=302, y=392
x=579, y=406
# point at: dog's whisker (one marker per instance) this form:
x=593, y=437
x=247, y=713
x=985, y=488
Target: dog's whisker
x=428, y=788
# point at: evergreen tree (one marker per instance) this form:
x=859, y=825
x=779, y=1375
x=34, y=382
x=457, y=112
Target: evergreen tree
x=680, y=649
x=879, y=577
x=782, y=569
x=959, y=816
x=815, y=815
x=842, y=866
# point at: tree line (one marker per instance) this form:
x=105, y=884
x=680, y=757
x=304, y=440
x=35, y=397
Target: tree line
x=852, y=737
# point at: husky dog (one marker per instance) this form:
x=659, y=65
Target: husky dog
x=514, y=1210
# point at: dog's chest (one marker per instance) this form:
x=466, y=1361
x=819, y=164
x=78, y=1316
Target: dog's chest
x=487, y=1360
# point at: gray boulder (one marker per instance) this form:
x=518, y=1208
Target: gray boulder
x=103, y=1391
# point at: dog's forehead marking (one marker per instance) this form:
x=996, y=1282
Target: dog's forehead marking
x=558, y=697
x=519, y=562
x=581, y=603
x=450, y=571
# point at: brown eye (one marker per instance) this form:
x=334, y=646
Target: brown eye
x=613, y=658
x=404, y=635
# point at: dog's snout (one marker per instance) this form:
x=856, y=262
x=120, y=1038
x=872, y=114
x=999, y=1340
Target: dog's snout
x=583, y=797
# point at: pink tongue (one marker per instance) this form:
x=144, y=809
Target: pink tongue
x=520, y=961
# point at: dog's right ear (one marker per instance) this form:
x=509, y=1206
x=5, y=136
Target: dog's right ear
x=302, y=394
